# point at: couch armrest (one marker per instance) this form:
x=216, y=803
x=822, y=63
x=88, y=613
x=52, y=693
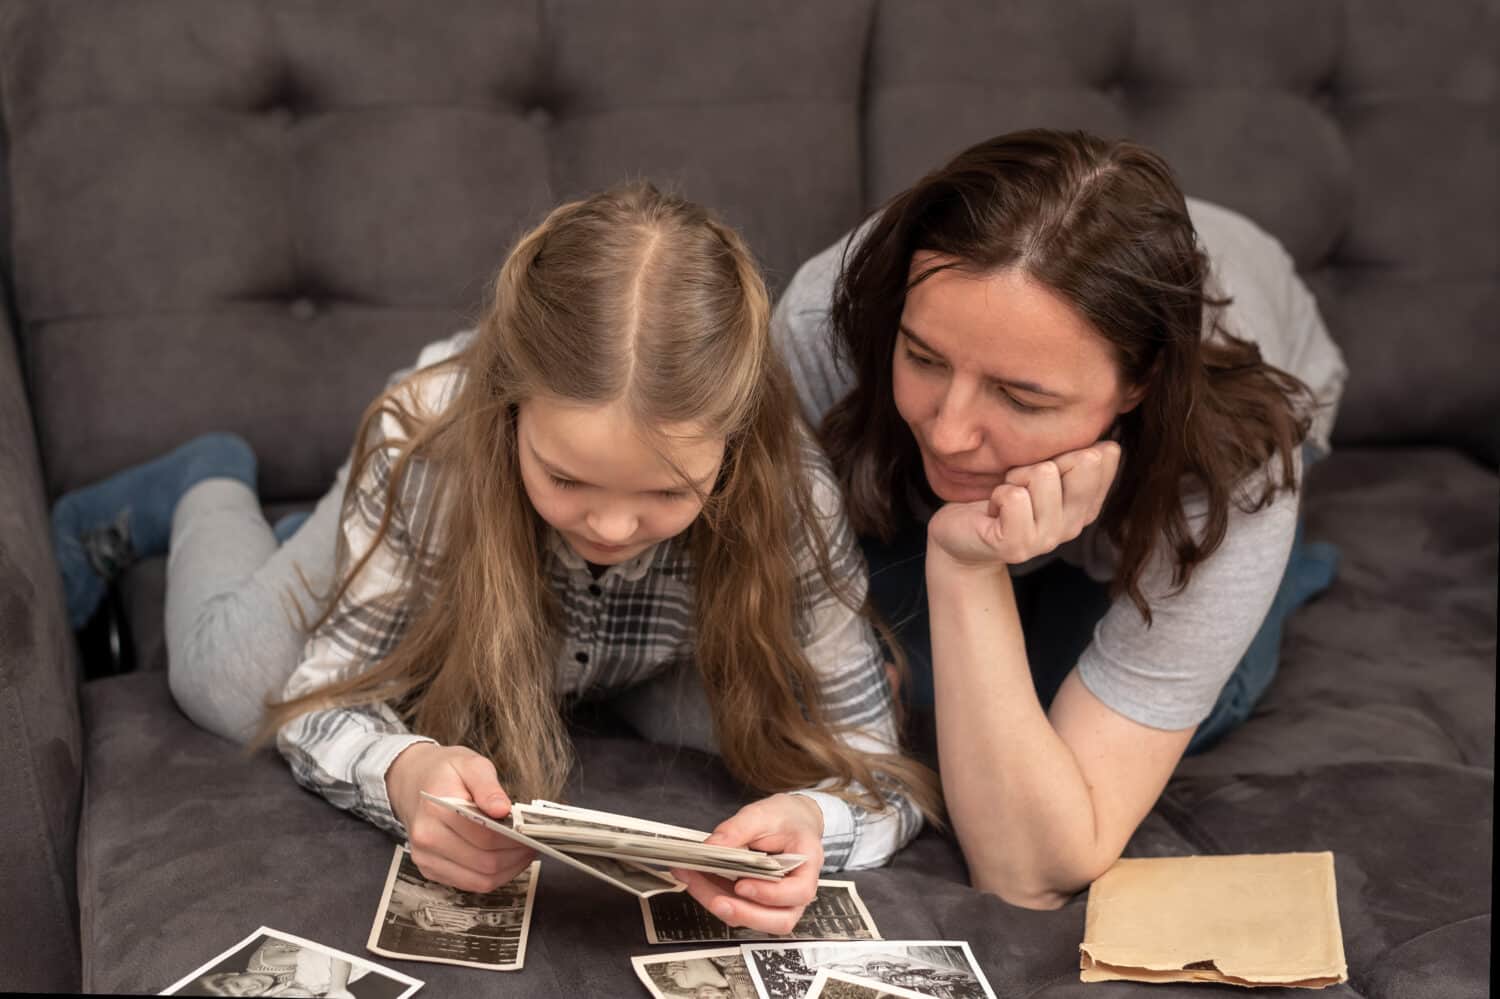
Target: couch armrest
x=41, y=739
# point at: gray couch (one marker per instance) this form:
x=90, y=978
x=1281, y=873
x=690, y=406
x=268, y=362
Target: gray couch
x=242, y=214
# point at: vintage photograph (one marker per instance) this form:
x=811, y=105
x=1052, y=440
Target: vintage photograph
x=426, y=921
x=696, y=974
x=271, y=963
x=838, y=985
x=837, y=913
x=940, y=969
x=547, y=813
x=640, y=881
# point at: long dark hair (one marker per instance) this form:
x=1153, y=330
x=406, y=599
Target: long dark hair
x=1104, y=225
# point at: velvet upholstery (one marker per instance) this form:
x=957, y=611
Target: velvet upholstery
x=41, y=739
x=243, y=214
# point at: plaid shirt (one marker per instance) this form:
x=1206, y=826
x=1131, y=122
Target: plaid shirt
x=632, y=623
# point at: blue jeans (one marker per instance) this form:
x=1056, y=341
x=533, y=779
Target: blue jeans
x=1059, y=606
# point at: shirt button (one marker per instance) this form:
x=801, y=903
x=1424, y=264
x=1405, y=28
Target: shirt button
x=582, y=657
x=595, y=589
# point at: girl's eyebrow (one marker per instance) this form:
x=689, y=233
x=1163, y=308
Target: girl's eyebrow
x=560, y=473
x=1024, y=386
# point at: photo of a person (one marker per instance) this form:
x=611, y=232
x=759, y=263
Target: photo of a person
x=283, y=968
x=428, y=921
x=270, y=963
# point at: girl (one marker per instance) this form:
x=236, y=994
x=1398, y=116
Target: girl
x=1040, y=379
x=607, y=483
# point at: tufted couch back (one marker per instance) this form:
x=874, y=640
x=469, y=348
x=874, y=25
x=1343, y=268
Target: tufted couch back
x=242, y=214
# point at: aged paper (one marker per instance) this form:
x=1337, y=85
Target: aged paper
x=1255, y=919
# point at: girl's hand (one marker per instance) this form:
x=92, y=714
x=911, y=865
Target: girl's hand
x=782, y=823
x=1037, y=508
x=447, y=847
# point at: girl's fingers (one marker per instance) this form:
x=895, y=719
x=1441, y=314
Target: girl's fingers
x=796, y=889
x=712, y=893
x=468, y=830
x=451, y=843
x=708, y=891
x=482, y=785
x=436, y=868
x=774, y=919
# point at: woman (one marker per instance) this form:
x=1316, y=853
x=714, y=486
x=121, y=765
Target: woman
x=1026, y=366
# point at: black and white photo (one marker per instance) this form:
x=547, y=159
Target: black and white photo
x=271, y=963
x=836, y=913
x=695, y=974
x=941, y=969
x=838, y=985
x=424, y=920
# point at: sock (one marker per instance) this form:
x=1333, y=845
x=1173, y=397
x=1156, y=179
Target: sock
x=99, y=530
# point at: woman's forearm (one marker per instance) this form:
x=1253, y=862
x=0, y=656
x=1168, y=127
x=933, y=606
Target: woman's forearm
x=1017, y=798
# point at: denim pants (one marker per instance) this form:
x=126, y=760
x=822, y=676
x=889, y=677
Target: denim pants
x=1059, y=606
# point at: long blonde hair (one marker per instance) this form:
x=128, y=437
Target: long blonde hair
x=639, y=297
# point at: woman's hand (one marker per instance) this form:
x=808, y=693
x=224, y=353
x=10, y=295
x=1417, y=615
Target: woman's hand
x=447, y=847
x=1037, y=508
x=782, y=823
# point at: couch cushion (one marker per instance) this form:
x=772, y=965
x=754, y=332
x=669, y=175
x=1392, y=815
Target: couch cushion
x=1361, y=134
x=1376, y=742
x=187, y=846
x=1397, y=659
x=242, y=215
x=41, y=740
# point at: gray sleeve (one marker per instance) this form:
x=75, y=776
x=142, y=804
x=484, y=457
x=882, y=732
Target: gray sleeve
x=1169, y=675
x=800, y=331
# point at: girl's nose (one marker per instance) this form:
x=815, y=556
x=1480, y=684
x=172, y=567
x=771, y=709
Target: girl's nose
x=613, y=527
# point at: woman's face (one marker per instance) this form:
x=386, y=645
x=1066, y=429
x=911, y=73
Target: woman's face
x=994, y=371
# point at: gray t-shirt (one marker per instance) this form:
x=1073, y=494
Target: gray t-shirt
x=1169, y=675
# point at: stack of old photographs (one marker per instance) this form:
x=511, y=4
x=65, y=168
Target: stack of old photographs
x=631, y=854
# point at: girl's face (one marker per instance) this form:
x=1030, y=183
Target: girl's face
x=609, y=492
x=994, y=371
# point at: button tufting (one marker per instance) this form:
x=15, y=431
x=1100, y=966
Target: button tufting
x=582, y=657
x=303, y=309
x=539, y=116
x=281, y=116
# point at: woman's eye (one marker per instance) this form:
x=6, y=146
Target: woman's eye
x=1019, y=405
x=563, y=483
x=919, y=360
x=672, y=494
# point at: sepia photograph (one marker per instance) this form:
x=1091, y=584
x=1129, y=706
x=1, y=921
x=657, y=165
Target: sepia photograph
x=696, y=974
x=423, y=920
x=941, y=969
x=836, y=913
x=271, y=963
x=838, y=985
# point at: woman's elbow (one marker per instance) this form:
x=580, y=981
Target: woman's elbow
x=1037, y=889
